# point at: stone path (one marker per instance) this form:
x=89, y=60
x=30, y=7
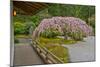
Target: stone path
x=82, y=51
x=25, y=54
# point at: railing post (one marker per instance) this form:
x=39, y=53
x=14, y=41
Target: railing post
x=47, y=56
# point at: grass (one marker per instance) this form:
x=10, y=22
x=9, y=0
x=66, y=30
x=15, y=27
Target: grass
x=54, y=46
x=22, y=36
x=56, y=41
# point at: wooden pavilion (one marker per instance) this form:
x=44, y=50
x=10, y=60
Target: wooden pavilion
x=28, y=8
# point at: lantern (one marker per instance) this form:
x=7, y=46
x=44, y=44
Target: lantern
x=14, y=13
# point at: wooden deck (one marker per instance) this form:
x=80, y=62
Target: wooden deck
x=26, y=55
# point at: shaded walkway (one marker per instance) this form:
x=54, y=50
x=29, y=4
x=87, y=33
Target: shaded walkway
x=82, y=51
x=25, y=54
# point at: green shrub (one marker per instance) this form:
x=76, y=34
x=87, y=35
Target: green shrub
x=50, y=33
x=19, y=28
x=76, y=35
x=36, y=20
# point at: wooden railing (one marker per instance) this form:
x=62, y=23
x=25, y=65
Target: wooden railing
x=46, y=55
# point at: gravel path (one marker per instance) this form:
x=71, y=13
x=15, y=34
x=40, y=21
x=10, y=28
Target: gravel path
x=25, y=54
x=82, y=51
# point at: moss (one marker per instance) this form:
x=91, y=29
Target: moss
x=56, y=41
x=53, y=45
x=57, y=50
x=61, y=53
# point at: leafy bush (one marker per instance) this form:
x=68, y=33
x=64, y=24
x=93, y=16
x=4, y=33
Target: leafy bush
x=50, y=33
x=77, y=35
x=22, y=24
x=36, y=20
x=19, y=28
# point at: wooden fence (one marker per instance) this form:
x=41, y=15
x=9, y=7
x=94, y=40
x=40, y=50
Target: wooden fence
x=47, y=56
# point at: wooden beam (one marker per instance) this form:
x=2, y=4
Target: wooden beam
x=24, y=7
x=19, y=10
x=31, y=5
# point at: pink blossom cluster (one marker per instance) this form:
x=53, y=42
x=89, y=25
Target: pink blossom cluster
x=67, y=24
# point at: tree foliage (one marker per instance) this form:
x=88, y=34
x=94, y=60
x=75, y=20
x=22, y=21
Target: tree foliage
x=76, y=27
x=79, y=11
x=19, y=28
